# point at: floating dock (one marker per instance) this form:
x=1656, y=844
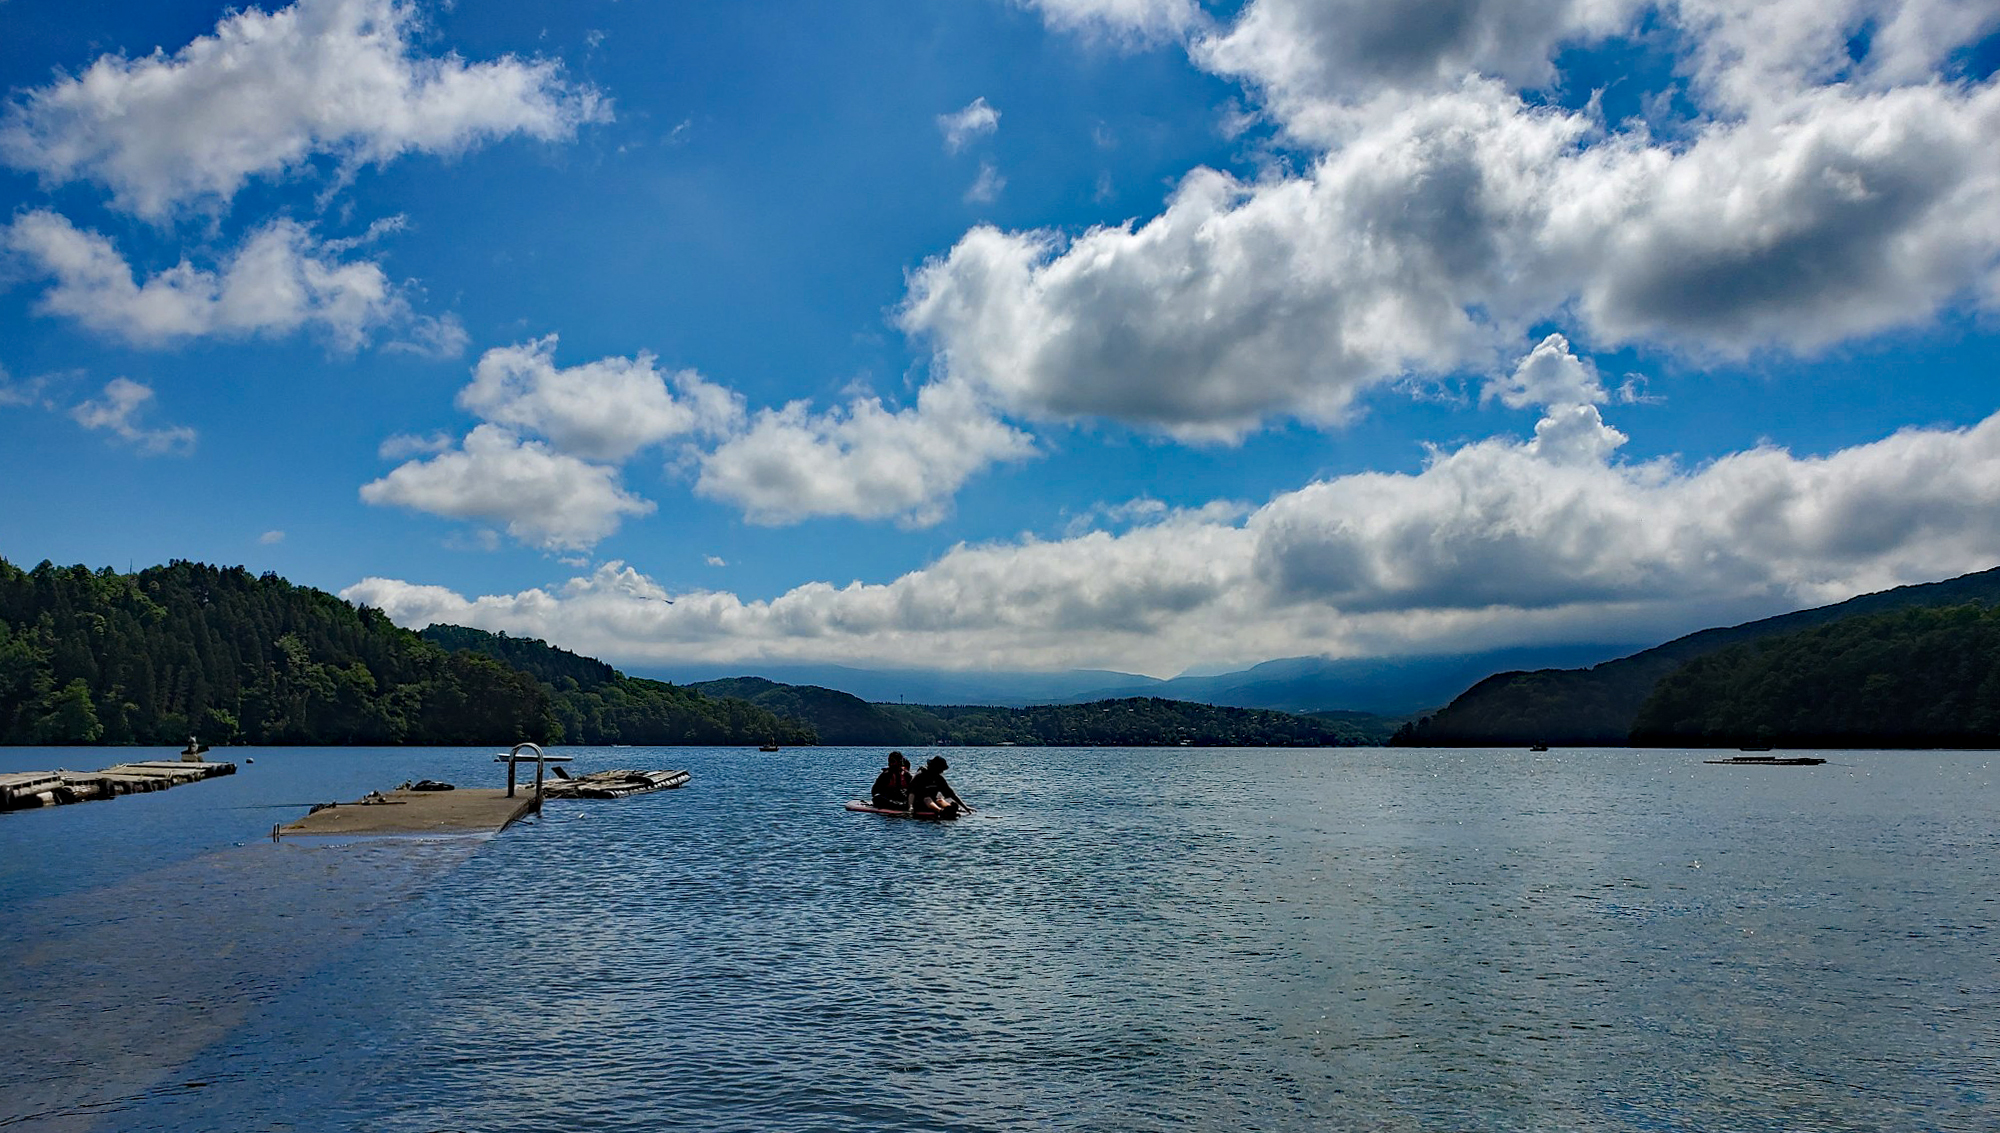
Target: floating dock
x=21, y=790
x=614, y=784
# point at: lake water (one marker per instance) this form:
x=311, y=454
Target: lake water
x=1120, y=940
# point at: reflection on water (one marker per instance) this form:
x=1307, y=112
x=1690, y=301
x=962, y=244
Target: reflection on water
x=1119, y=940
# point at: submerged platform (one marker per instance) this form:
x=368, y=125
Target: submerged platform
x=462, y=811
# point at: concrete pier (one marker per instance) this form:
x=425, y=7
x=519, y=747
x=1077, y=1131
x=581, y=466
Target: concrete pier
x=463, y=811
x=20, y=790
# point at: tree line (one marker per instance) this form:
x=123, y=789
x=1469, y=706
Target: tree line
x=1927, y=677
x=99, y=657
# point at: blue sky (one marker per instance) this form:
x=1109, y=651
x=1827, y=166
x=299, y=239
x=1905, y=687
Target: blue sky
x=1009, y=334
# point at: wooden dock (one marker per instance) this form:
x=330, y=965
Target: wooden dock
x=21, y=790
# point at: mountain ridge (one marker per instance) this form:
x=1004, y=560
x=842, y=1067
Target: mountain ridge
x=1598, y=706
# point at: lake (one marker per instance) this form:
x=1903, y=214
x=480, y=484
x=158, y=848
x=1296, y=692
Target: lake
x=1120, y=939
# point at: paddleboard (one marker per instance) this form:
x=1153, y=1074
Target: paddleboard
x=860, y=807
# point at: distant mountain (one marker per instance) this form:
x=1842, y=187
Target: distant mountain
x=1383, y=686
x=1599, y=705
x=1387, y=686
x=920, y=686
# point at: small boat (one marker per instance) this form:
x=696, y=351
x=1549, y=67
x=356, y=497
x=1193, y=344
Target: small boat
x=860, y=807
x=613, y=784
x=1769, y=761
x=768, y=747
x=1539, y=747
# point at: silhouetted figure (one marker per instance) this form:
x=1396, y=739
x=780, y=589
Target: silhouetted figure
x=930, y=794
x=892, y=787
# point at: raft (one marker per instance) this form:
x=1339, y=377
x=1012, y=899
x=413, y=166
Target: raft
x=613, y=784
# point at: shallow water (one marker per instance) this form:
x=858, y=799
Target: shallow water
x=1120, y=939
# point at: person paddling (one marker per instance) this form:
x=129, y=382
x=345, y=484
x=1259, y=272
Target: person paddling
x=930, y=794
x=892, y=787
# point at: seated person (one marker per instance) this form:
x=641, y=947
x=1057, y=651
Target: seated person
x=930, y=794
x=892, y=787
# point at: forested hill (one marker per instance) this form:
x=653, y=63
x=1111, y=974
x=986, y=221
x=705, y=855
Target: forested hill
x=89, y=657
x=1131, y=722
x=594, y=703
x=841, y=718
x=1600, y=705
x=1925, y=677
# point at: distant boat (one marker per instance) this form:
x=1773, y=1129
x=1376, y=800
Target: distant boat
x=768, y=747
x=1539, y=747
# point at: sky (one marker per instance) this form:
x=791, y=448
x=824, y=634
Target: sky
x=1145, y=335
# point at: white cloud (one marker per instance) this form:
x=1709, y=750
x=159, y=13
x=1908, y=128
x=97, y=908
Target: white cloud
x=1834, y=217
x=118, y=412
x=561, y=492
x=14, y=392
x=1314, y=60
x=1441, y=213
x=266, y=93
x=271, y=538
x=427, y=337
x=1436, y=235
x=714, y=560
x=1497, y=542
x=604, y=410
x=543, y=498
x=279, y=280
x=1245, y=301
x=960, y=127
x=1550, y=375
x=985, y=188
x=403, y=446
x=861, y=461
x=1130, y=22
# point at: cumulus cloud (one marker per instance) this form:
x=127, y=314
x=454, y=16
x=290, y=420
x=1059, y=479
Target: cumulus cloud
x=119, y=413
x=604, y=410
x=266, y=93
x=1313, y=60
x=1550, y=375
x=543, y=498
x=1833, y=182
x=1498, y=541
x=1132, y=22
x=1434, y=237
x=960, y=127
x=863, y=460
x=1242, y=301
x=560, y=492
x=279, y=280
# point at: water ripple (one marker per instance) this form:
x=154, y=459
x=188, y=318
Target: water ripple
x=1119, y=940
